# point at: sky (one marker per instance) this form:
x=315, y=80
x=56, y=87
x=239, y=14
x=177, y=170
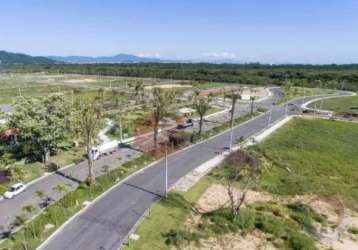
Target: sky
x=266, y=31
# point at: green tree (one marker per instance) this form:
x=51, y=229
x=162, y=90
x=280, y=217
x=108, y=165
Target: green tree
x=89, y=121
x=44, y=123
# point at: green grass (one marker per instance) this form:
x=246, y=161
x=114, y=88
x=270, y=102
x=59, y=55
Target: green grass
x=296, y=92
x=166, y=215
x=209, y=85
x=288, y=226
x=339, y=105
x=64, y=158
x=29, y=172
x=313, y=156
x=32, y=234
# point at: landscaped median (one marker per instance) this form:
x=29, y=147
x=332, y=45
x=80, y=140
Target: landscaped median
x=32, y=234
x=36, y=231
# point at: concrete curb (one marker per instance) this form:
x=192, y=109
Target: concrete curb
x=141, y=170
x=130, y=176
x=82, y=210
x=44, y=176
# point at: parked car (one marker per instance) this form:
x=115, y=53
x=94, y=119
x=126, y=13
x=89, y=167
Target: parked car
x=15, y=190
x=187, y=123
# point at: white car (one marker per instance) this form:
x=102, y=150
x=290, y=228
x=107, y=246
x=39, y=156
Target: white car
x=15, y=190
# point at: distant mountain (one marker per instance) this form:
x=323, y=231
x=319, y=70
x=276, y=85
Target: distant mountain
x=18, y=58
x=120, y=58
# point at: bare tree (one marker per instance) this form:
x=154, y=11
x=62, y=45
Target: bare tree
x=243, y=169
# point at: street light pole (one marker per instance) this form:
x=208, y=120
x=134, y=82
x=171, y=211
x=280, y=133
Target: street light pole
x=120, y=128
x=231, y=134
x=166, y=172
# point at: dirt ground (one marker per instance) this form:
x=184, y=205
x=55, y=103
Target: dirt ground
x=83, y=80
x=168, y=86
x=333, y=236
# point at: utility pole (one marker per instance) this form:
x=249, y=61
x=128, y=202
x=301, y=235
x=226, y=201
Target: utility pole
x=166, y=172
x=120, y=128
x=269, y=118
x=231, y=134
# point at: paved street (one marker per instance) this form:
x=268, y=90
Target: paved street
x=106, y=224
x=11, y=208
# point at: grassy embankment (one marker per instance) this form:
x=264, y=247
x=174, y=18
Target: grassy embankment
x=341, y=105
x=295, y=92
x=306, y=156
x=313, y=156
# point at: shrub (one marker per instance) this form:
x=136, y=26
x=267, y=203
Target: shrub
x=299, y=241
x=52, y=167
x=3, y=189
x=353, y=230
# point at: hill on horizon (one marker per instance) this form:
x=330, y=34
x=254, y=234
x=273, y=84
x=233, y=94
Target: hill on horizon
x=120, y=58
x=19, y=58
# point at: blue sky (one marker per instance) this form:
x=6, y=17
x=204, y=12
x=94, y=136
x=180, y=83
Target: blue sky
x=268, y=31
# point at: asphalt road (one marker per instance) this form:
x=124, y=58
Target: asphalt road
x=70, y=177
x=105, y=225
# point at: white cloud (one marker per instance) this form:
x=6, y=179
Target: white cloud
x=151, y=55
x=220, y=55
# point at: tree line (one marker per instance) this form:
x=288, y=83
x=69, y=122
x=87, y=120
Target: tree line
x=328, y=76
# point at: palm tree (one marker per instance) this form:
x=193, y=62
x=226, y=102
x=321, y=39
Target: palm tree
x=252, y=98
x=234, y=95
x=43, y=196
x=202, y=106
x=29, y=210
x=60, y=188
x=89, y=124
x=160, y=106
x=20, y=220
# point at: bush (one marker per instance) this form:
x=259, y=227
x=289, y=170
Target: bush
x=3, y=189
x=353, y=230
x=52, y=167
x=299, y=241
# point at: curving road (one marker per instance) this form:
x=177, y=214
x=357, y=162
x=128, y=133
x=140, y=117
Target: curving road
x=106, y=224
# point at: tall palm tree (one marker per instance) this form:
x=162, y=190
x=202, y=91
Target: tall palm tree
x=252, y=99
x=202, y=106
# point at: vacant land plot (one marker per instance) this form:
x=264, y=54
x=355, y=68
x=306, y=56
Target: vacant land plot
x=306, y=165
x=342, y=105
x=313, y=156
x=295, y=92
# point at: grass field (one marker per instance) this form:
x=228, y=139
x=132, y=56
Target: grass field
x=166, y=215
x=339, y=105
x=313, y=156
x=295, y=92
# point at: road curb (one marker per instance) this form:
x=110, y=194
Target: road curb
x=82, y=210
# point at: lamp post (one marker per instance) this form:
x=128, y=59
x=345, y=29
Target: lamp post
x=166, y=172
